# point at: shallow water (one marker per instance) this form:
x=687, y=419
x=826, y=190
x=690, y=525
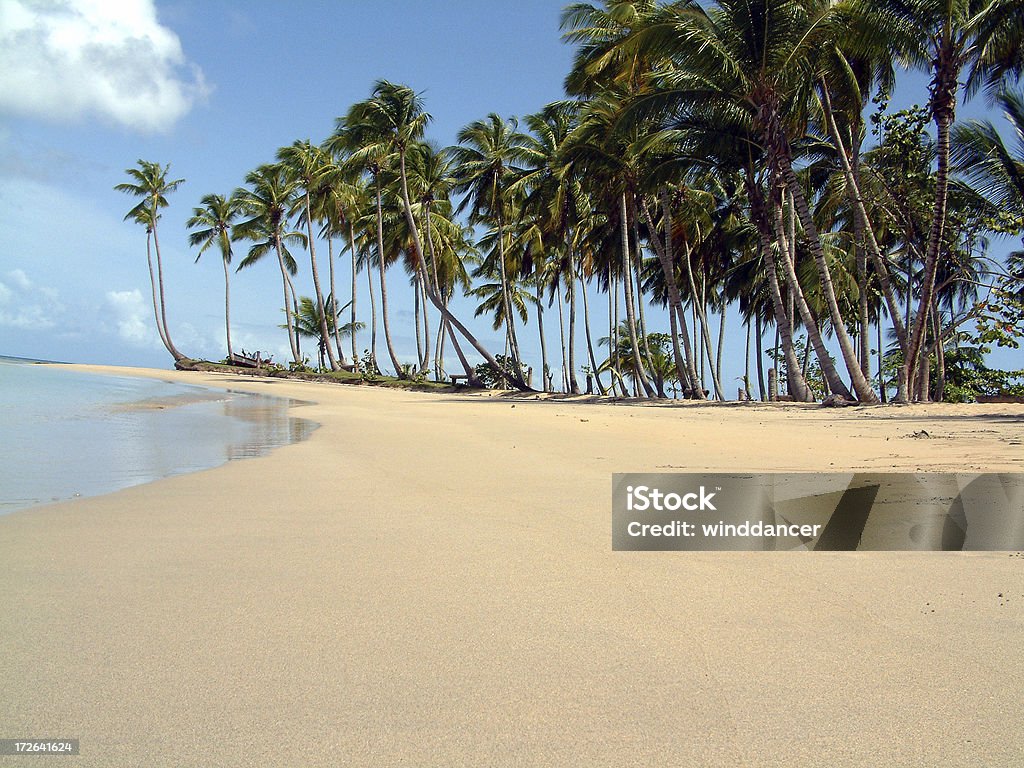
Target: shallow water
x=65, y=434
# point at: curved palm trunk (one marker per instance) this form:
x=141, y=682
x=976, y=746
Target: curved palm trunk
x=676, y=314
x=152, y=285
x=163, y=303
x=383, y=283
x=444, y=325
x=590, y=343
x=705, y=334
x=797, y=385
x=516, y=376
x=506, y=300
x=861, y=386
x=835, y=383
x=227, y=307
x=915, y=358
x=293, y=341
x=721, y=345
x=871, y=243
x=638, y=363
x=325, y=332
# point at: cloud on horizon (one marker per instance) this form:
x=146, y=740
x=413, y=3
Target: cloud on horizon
x=27, y=306
x=68, y=59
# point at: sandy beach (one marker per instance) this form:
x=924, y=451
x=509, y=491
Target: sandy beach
x=428, y=580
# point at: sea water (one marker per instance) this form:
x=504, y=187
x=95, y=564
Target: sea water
x=65, y=433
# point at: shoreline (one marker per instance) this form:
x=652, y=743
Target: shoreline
x=429, y=579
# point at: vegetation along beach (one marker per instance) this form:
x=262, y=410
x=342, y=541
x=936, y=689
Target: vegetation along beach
x=732, y=237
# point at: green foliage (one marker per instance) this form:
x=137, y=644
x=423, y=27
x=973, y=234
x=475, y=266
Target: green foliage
x=491, y=379
x=967, y=377
x=812, y=370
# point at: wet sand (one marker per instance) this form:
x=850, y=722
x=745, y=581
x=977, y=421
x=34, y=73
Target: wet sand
x=428, y=580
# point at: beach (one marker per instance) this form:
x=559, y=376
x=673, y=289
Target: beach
x=429, y=580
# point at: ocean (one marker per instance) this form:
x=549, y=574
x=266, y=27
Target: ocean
x=66, y=434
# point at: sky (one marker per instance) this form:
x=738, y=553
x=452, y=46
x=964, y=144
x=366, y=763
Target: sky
x=214, y=88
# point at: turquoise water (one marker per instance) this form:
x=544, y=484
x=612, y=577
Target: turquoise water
x=65, y=434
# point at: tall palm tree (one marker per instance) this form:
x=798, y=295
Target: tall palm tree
x=395, y=117
x=360, y=139
x=945, y=37
x=267, y=202
x=485, y=167
x=212, y=224
x=309, y=167
x=149, y=181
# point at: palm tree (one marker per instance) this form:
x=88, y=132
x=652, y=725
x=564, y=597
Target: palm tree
x=150, y=182
x=212, y=222
x=485, y=167
x=394, y=116
x=310, y=324
x=267, y=204
x=994, y=170
x=309, y=167
x=358, y=137
x=945, y=37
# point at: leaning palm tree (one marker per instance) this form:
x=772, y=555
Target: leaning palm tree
x=150, y=182
x=394, y=117
x=212, y=225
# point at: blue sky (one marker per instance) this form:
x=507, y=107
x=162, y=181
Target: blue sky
x=214, y=88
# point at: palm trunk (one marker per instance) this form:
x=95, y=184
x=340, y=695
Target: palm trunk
x=152, y=285
x=293, y=341
x=373, y=325
x=334, y=300
x=325, y=332
x=425, y=365
x=590, y=343
x=416, y=319
x=721, y=345
x=561, y=334
x=638, y=363
x=797, y=385
x=163, y=303
x=574, y=386
x=227, y=307
x=879, y=262
x=759, y=348
x=677, y=316
x=746, y=365
x=445, y=325
x=352, y=305
x=836, y=385
x=540, y=331
x=515, y=375
x=383, y=283
x=705, y=334
x=861, y=386
x=915, y=360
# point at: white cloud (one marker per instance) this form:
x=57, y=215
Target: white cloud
x=65, y=59
x=133, y=316
x=25, y=305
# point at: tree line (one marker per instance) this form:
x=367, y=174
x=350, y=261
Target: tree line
x=706, y=156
